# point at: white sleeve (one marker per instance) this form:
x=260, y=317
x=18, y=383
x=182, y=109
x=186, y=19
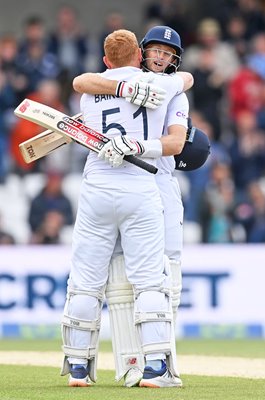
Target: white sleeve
x=178, y=111
x=173, y=84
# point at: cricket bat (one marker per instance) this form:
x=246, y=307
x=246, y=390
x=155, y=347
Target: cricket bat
x=44, y=143
x=61, y=123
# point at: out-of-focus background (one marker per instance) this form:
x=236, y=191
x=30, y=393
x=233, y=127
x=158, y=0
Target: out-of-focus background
x=43, y=45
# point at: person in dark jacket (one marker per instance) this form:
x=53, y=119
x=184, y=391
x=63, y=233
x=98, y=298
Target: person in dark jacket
x=51, y=198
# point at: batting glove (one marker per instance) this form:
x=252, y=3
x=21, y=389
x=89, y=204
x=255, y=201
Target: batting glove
x=141, y=92
x=114, y=151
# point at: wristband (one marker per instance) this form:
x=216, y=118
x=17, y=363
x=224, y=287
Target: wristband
x=119, y=88
x=153, y=148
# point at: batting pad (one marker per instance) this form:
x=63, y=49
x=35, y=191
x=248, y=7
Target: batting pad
x=164, y=315
x=176, y=276
x=125, y=340
x=77, y=330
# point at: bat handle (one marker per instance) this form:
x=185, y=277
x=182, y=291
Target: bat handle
x=141, y=163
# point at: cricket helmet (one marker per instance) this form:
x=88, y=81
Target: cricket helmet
x=195, y=151
x=163, y=35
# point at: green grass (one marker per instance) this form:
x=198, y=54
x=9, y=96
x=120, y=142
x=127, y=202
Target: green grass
x=31, y=383
x=39, y=383
x=232, y=348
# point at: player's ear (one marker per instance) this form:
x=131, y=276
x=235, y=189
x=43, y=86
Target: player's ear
x=140, y=55
x=106, y=62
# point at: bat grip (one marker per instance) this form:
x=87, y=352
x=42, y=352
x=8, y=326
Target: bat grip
x=141, y=163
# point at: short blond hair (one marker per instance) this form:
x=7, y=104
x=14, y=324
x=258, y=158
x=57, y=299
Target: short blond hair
x=121, y=47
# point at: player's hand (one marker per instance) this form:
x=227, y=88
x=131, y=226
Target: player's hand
x=114, y=151
x=141, y=92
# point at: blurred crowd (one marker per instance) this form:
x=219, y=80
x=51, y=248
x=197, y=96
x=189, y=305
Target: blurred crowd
x=224, y=50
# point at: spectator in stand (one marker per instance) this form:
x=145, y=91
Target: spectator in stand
x=250, y=213
x=226, y=62
x=251, y=11
x=48, y=92
x=113, y=22
x=256, y=58
x=198, y=179
x=15, y=80
x=245, y=92
x=34, y=59
x=12, y=84
x=34, y=31
x=207, y=94
x=69, y=44
x=213, y=64
x=218, y=205
x=246, y=89
x=236, y=34
x=49, y=230
x=261, y=113
x=37, y=64
x=247, y=151
x=256, y=233
x=51, y=203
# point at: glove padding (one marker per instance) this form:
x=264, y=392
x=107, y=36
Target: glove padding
x=114, y=151
x=141, y=92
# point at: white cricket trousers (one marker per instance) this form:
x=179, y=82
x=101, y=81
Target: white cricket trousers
x=132, y=206
x=173, y=214
x=108, y=205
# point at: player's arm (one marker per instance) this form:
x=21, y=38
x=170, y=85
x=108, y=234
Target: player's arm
x=187, y=79
x=176, y=125
x=173, y=143
x=136, y=91
x=93, y=83
x=114, y=151
x=173, y=84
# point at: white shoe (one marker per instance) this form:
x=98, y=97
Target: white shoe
x=83, y=382
x=79, y=376
x=159, y=379
x=133, y=377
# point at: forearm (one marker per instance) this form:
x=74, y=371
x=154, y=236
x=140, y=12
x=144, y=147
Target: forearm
x=169, y=145
x=141, y=92
x=93, y=83
x=173, y=143
x=119, y=146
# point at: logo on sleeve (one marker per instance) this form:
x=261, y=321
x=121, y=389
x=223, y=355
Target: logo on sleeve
x=181, y=114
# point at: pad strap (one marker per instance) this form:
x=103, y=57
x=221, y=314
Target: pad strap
x=153, y=316
x=80, y=323
x=163, y=347
x=76, y=352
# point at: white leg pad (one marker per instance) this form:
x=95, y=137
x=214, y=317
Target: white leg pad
x=175, y=267
x=146, y=314
x=125, y=340
x=72, y=325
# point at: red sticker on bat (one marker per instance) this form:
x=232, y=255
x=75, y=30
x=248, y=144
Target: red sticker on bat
x=24, y=106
